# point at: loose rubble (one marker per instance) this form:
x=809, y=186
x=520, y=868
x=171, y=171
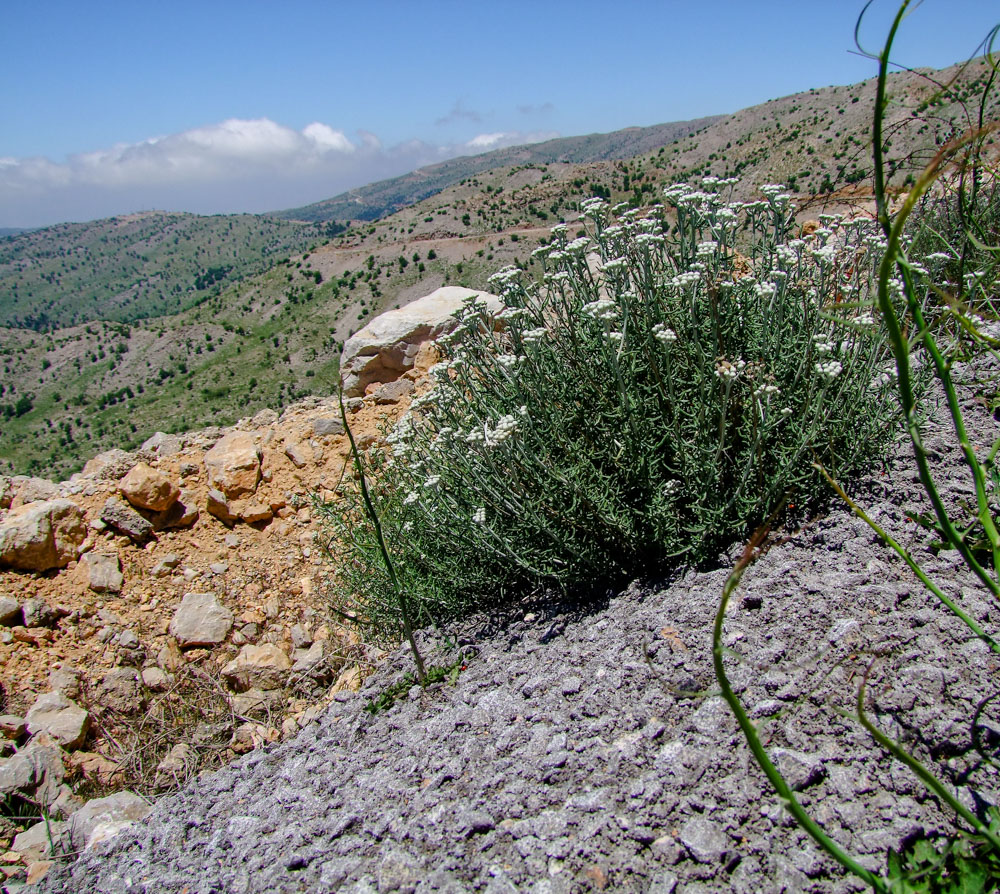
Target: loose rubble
x=182, y=572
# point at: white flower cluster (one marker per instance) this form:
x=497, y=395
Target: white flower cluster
x=664, y=333
x=729, y=370
x=594, y=207
x=509, y=361
x=578, y=246
x=706, y=249
x=829, y=369
x=823, y=344
x=614, y=264
x=491, y=437
x=765, y=289
x=766, y=390
x=479, y=516
x=533, y=336
x=688, y=278
x=601, y=309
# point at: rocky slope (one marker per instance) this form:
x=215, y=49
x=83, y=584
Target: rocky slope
x=166, y=610
x=582, y=747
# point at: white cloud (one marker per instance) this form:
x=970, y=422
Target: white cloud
x=235, y=165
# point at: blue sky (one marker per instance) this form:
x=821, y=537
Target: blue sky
x=110, y=107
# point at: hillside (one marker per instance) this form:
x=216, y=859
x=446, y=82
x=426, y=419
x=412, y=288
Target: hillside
x=134, y=267
x=388, y=196
x=269, y=338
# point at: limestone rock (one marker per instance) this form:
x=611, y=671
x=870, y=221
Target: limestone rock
x=201, y=620
x=253, y=513
x=12, y=727
x=393, y=392
x=102, y=818
x=300, y=454
x=388, y=345
x=6, y=492
x=103, y=572
x=44, y=839
x=218, y=506
x=121, y=692
x=34, y=490
x=10, y=612
x=263, y=667
x=148, y=488
x=65, y=721
x=16, y=774
x=42, y=535
x=233, y=464
x=327, y=425
x=156, y=679
x=38, y=613
x=109, y=465
x=182, y=514
x=125, y=520
x=162, y=444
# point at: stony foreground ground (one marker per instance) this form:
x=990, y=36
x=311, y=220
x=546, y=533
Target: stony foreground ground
x=585, y=749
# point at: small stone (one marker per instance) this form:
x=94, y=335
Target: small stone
x=103, y=572
x=64, y=720
x=156, y=679
x=125, y=520
x=10, y=612
x=232, y=541
x=65, y=680
x=17, y=774
x=218, y=506
x=37, y=870
x=12, y=727
x=120, y=692
x=263, y=666
x=102, y=818
x=393, y=392
x=218, y=567
x=201, y=620
x=233, y=465
x=704, y=839
x=36, y=842
x=181, y=514
x=300, y=454
x=38, y=613
x=254, y=513
x=327, y=425
x=166, y=565
x=127, y=639
x=148, y=488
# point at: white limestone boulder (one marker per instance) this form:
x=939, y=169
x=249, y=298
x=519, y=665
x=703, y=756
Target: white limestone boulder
x=387, y=347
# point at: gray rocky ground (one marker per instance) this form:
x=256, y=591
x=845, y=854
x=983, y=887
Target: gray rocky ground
x=585, y=750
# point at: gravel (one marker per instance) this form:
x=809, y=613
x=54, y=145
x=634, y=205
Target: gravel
x=587, y=749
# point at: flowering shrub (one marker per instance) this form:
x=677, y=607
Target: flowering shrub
x=658, y=390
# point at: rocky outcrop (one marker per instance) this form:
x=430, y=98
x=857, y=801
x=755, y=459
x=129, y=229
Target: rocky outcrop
x=387, y=347
x=42, y=535
x=233, y=465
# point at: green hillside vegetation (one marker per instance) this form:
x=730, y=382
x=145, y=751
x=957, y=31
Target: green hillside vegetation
x=134, y=267
x=176, y=358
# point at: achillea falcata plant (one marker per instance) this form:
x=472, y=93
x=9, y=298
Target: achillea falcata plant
x=660, y=389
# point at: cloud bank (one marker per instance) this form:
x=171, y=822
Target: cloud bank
x=236, y=165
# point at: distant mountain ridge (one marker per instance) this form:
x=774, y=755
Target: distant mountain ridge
x=377, y=200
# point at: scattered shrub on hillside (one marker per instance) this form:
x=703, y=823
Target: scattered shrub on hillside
x=659, y=392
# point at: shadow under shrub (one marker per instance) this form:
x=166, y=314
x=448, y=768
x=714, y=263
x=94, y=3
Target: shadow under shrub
x=656, y=393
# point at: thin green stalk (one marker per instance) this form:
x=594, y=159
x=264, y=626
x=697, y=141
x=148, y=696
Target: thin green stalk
x=774, y=776
x=905, y=555
x=926, y=776
x=404, y=607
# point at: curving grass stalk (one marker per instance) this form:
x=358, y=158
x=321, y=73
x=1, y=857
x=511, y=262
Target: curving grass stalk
x=404, y=607
x=749, y=730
